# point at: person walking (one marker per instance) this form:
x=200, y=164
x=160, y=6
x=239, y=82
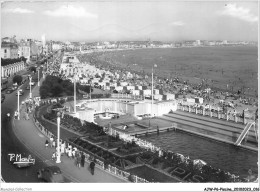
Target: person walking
x=92, y=166
x=70, y=153
x=82, y=159
x=62, y=148
x=8, y=116
x=53, y=144
x=73, y=153
x=46, y=143
x=67, y=151
x=78, y=159
x=51, y=141
x=53, y=156
x=16, y=115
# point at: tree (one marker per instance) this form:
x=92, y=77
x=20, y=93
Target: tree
x=57, y=90
x=18, y=79
x=66, y=83
x=85, y=88
x=23, y=59
x=115, y=91
x=44, y=91
x=32, y=69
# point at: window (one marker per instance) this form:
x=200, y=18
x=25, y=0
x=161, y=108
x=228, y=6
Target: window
x=5, y=50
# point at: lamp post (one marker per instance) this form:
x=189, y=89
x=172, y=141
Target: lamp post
x=152, y=88
x=152, y=92
x=38, y=77
x=30, y=87
x=90, y=91
x=75, y=95
x=18, y=108
x=58, y=138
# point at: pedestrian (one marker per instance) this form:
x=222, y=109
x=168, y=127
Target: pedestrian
x=46, y=143
x=16, y=115
x=78, y=159
x=92, y=166
x=62, y=148
x=82, y=159
x=8, y=116
x=73, y=153
x=67, y=151
x=70, y=153
x=53, y=144
x=27, y=116
x=53, y=156
x=51, y=141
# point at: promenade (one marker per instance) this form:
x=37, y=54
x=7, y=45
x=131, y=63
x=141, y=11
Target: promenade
x=34, y=140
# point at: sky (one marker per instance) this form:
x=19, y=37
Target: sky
x=131, y=20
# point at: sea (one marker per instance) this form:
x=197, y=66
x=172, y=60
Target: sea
x=235, y=66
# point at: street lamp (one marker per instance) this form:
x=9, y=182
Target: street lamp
x=18, y=108
x=30, y=87
x=38, y=77
x=152, y=88
x=74, y=94
x=58, y=138
x=90, y=91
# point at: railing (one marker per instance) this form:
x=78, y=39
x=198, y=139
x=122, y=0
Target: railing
x=88, y=158
x=230, y=117
x=128, y=138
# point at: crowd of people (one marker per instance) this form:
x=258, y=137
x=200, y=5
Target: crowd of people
x=66, y=150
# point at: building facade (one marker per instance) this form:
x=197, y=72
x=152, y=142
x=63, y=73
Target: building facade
x=24, y=49
x=9, y=70
x=9, y=50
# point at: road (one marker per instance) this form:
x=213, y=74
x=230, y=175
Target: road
x=10, y=144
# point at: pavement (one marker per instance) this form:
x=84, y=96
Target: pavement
x=34, y=140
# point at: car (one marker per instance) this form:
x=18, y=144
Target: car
x=51, y=174
x=9, y=91
x=14, y=87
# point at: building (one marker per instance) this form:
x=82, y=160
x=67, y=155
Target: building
x=10, y=69
x=56, y=46
x=9, y=50
x=24, y=49
x=28, y=49
x=225, y=42
x=198, y=42
x=87, y=109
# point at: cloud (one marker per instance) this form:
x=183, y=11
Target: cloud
x=70, y=11
x=177, y=23
x=18, y=10
x=238, y=12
